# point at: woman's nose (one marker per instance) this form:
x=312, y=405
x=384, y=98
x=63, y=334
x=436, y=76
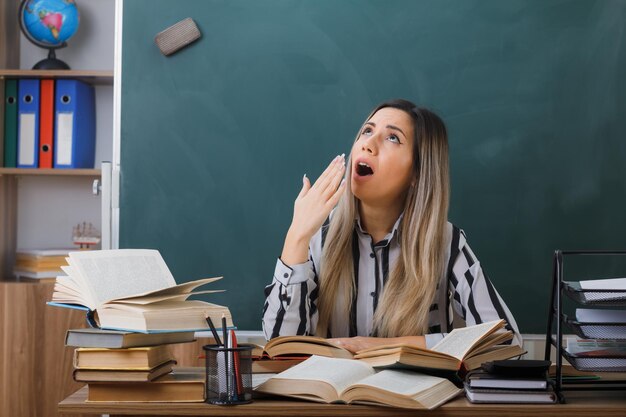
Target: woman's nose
x=369, y=145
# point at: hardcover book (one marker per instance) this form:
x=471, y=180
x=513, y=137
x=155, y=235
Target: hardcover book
x=117, y=339
x=121, y=375
x=463, y=348
x=180, y=385
x=291, y=346
x=335, y=380
x=133, y=290
x=144, y=358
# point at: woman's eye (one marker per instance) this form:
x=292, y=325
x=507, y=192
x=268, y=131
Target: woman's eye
x=367, y=131
x=393, y=138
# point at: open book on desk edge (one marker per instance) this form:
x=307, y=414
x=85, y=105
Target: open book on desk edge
x=332, y=380
x=133, y=290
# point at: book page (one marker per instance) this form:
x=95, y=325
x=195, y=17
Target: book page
x=149, y=299
x=339, y=373
x=110, y=274
x=460, y=341
x=401, y=382
x=79, y=284
x=184, y=288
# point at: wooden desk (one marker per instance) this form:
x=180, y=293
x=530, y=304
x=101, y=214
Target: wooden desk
x=596, y=404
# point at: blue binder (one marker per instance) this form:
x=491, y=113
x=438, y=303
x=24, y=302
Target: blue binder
x=28, y=124
x=75, y=125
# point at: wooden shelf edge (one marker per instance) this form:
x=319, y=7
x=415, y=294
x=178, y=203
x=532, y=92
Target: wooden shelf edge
x=91, y=76
x=51, y=172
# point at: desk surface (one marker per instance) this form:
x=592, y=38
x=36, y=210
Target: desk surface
x=587, y=403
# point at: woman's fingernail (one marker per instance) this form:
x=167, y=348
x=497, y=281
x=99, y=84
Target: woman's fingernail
x=304, y=177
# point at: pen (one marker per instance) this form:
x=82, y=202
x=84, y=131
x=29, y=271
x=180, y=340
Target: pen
x=224, y=331
x=226, y=358
x=212, y=327
x=236, y=360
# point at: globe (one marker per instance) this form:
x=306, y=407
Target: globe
x=49, y=24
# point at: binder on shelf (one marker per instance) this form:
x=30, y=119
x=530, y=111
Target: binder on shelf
x=28, y=123
x=75, y=130
x=10, y=123
x=46, y=124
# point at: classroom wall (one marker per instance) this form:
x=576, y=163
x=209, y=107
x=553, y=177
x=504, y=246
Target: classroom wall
x=69, y=200
x=215, y=138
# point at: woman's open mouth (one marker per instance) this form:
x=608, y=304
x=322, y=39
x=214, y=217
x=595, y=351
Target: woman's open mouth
x=363, y=169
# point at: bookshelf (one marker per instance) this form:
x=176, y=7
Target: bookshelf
x=88, y=76
x=42, y=201
x=59, y=172
x=10, y=177
x=38, y=208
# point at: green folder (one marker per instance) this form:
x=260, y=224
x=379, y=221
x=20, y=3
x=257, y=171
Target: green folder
x=10, y=123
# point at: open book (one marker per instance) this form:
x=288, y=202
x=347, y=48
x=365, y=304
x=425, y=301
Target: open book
x=466, y=347
x=133, y=289
x=330, y=380
x=294, y=346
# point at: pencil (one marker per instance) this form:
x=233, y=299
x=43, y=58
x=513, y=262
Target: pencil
x=212, y=327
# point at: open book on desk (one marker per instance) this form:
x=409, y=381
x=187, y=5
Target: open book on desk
x=288, y=347
x=331, y=380
x=133, y=290
x=463, y=348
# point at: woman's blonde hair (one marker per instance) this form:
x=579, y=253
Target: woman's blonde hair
x=410, y=289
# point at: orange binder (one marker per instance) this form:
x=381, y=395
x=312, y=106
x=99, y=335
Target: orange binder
x=46, y=124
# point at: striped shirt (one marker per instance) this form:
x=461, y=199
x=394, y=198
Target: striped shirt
x=290, y=307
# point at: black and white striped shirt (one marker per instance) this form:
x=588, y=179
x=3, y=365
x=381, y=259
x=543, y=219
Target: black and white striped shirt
x=290, y=307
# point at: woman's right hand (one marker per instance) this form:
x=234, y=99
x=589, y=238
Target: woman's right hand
x=311, y=208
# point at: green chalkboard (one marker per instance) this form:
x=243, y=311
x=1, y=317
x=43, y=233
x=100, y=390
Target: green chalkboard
x=215, y=138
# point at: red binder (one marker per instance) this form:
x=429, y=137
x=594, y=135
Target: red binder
x=46, y=124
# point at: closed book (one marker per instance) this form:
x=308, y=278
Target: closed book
x=10, y=123
x=117, y=339
x=481, y=379
x=129, y=375
x=180, y=385
x=145, y=358
x=496, y=396
x=43, y=253
x=23, y=273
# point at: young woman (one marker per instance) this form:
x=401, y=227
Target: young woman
x=385, y=266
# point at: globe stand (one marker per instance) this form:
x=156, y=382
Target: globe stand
x=51, y=21
x=51, y=63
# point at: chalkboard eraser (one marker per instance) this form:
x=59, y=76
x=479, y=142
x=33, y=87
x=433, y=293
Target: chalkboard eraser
x=177, y=36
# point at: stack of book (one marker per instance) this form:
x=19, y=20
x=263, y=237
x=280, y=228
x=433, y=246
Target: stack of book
x=512, y=383
x=40, y=264
x=137, y=310
x=127, y=366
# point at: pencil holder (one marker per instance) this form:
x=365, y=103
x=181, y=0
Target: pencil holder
x=228, y=374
